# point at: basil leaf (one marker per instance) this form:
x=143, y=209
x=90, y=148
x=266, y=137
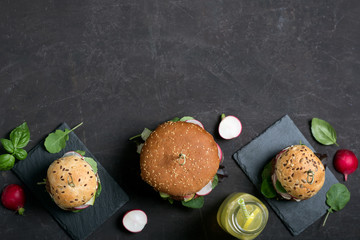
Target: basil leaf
x=323, y=132
x=20, y=154
x=56, y=141
x=98, y=191
x=7, y=161
x=8, y=145
x=215, y=181
x=20, y=136
x=337, y=196
x=194, y=203
x=92, y=163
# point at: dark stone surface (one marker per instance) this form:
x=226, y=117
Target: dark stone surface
x=120, y=66
x=252, y=158
x=81, y=224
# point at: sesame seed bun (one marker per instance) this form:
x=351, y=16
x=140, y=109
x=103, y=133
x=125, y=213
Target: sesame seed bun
x=71, y=182
x=166, y=171
x=300, y=172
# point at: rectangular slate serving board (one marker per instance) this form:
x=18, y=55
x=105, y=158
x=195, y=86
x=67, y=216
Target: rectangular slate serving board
x=252, y=158
x=78, y=225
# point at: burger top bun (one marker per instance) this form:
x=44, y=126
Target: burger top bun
x=300, y=172
x=71, y=182
x=179, y=158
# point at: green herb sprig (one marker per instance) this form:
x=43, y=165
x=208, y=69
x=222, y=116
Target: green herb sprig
x=19, y=138
x=56, y=141
x=323, y=132
x=337, y=197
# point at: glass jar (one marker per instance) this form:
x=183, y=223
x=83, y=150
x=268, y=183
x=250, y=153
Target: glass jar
x=231, y=218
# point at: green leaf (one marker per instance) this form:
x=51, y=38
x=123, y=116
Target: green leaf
x=175, y=119
x=279, y=187
x=215, y=181
x=145, y=134
x=98, y=191
x=194, y=203
x=7, y=161
x=323, y=132
x=92, y=163
x=337, y=197
x=266, y=173
x=267, y=188
x=8, y=145
x=183, y=119
x=20, y=136
x=56, y=141
x=81, y=152
x=20, y=154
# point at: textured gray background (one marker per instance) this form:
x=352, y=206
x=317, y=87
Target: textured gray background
x=120, y=66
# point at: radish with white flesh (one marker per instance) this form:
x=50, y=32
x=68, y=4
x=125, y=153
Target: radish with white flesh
x=72, y=153
x=194, y=121
x=230, y=127
x=220, y=153
x=205, y=190
x=135, y=220
x=13, y=198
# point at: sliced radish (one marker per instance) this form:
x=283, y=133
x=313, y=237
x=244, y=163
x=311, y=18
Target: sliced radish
x=135, y=220
x=205, y=190
x=229, y=127
x=82, y=207
x=189, y=197
x=72, y=153
x=220, y=154
x=194, y=121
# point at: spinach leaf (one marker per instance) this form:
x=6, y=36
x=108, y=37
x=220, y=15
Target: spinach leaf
x=81, y=152
x=336, y=198
x=20, y=136
x=194, y=203
x=56, y=141
x=215, y=181
x=267, y=188
x=8, y=145
x=7, y=161
x=323, y=132
x=183, y=119
x=279, y=187
x=98, y=191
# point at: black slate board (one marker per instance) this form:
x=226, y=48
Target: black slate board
x=297, y=216
x=78, y=225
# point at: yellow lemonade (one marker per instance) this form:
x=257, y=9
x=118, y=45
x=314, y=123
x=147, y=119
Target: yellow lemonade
x=242, y=215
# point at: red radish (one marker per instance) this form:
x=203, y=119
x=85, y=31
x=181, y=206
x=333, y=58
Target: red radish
x=220, y=153
x=205, y=190
x=135, y=220
x=345, y=162
x=189, y=197
x=230, y=127
x=194, y=121
x=13, y=198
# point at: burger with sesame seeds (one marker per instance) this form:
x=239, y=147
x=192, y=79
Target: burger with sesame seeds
x=296, y=173
x=73, y=182
x=180, y=160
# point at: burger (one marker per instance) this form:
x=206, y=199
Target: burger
x=73, y=182
x=180, y=159
x=296, y=173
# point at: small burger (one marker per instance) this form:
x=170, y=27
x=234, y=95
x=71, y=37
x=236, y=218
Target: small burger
x=180, y=159
x=72, y=182
x=296, y=173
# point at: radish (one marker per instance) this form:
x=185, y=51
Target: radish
x=220, y=154
x=205, y=190
x=13, y=198
x=345, y=162
x=189, y=197
x=72, y=153
x=194, y=121
x=230, y=127
x=135, y=220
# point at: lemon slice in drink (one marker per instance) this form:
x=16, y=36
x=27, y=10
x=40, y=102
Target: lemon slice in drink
x=252, y=221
